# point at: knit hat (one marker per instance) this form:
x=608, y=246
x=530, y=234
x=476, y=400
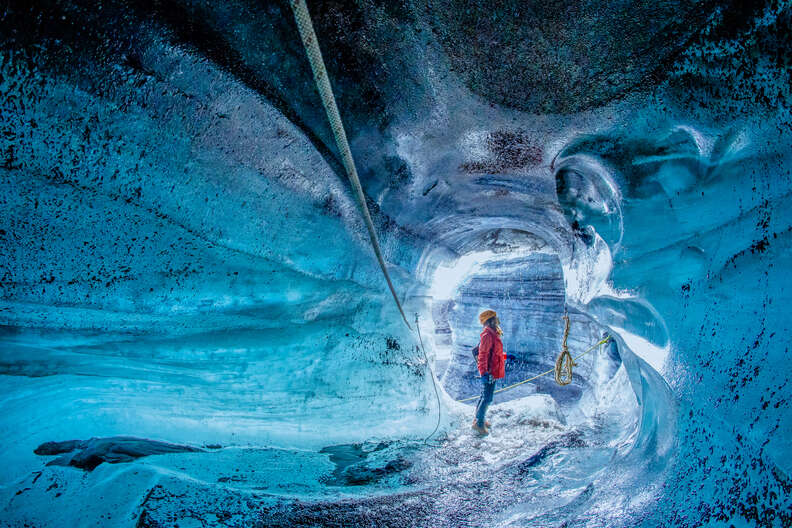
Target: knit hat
x=486, y=315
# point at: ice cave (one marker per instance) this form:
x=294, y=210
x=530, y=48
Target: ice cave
x=195, y=330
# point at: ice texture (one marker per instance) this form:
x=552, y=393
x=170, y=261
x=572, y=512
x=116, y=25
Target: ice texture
x=187, y=289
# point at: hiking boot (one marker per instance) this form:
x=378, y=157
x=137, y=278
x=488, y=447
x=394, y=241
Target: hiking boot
x=480, y=430
x=486, y=423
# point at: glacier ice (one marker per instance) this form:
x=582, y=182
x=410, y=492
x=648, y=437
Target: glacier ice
x=184, y=273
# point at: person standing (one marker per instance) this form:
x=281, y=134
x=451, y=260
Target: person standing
x=491, y=366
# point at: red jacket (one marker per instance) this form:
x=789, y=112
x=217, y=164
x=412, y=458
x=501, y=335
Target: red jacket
x=491, y=358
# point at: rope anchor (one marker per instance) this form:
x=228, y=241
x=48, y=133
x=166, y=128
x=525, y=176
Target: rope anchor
x=564, y=363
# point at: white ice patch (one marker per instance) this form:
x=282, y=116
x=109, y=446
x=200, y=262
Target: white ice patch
x=447, y=278
x=654, y=355
x=586, y=275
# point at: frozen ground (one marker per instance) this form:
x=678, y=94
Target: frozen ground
x=382, y=483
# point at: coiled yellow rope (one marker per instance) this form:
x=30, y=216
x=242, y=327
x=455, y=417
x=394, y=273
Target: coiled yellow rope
x=564, y=363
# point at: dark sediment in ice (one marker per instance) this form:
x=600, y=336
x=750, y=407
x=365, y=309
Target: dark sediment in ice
x=114, y=450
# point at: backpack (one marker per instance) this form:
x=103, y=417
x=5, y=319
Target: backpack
x=475, y=353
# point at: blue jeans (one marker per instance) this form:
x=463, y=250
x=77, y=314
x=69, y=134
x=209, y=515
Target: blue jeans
x=487, y=392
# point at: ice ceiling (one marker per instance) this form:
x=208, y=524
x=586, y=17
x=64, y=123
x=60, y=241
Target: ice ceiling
x=195, y=331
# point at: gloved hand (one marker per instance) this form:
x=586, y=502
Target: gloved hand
x=510, y=357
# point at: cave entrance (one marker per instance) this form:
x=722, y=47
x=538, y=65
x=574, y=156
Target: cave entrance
x=519, y=276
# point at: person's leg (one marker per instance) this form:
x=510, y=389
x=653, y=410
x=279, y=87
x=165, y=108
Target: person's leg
x=490, y=395
x=481, y=407
x=487, y=392
x=478, y=406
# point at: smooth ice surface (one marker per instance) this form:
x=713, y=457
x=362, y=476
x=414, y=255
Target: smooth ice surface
x=184, y=275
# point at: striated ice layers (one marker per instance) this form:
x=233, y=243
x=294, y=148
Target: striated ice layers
x=182, y=262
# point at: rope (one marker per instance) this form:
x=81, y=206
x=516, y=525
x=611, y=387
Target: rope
x=564, y=363
x=434, y=383
x=600, y=342
x=311, y=45
x=322, y=81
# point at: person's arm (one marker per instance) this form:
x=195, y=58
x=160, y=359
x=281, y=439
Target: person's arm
x=485, y=350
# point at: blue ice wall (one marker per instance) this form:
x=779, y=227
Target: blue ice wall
x=173, y=238
x=706, y=242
